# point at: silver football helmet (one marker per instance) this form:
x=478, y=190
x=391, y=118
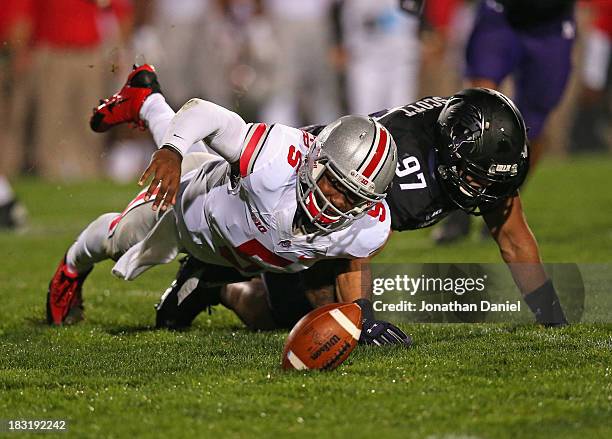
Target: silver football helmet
x=360, y=155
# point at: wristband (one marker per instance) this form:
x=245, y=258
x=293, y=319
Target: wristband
x=367, y=310
x=545, y=305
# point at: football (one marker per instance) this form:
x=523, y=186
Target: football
x=323, y=338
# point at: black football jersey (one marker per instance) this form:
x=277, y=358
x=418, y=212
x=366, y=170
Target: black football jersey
x=416, y=199
x=526, y=14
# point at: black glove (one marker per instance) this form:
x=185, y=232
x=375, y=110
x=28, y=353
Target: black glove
x=379, y=332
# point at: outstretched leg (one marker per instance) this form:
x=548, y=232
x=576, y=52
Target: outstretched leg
x=107, y=237
x=140, y=102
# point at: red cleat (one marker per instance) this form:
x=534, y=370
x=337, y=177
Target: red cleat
x=124, y=106
x=64, y=298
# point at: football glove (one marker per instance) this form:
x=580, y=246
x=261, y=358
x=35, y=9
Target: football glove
x=379, y=332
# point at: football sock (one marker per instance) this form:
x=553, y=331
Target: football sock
x=546, y=306
x=90, y=247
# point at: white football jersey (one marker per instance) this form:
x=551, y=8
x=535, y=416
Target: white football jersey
x=250, y=227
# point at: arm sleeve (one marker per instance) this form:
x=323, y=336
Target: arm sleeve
x=222, y=129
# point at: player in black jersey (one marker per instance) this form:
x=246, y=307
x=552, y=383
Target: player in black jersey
x=467, y=152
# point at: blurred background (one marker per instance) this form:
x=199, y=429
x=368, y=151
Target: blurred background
x=291, y=61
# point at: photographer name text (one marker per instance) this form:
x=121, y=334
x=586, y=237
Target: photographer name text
x=423, y=306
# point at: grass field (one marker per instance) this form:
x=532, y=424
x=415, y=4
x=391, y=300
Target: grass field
x=113, y=376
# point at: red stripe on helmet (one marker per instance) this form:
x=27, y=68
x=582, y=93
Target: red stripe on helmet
x=247, y=154
x=378, y=155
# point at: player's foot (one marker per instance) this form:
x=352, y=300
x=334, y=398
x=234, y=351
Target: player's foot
x=124, y=106
x=186, y=297
x=12, y=215
x=64, y=297
x=454, y=228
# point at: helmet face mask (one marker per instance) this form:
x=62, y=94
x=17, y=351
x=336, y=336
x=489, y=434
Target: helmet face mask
x=482, y=151
x=476, y=189
x=357, y=158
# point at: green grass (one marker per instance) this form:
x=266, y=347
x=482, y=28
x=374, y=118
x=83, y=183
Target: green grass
x=113, y=376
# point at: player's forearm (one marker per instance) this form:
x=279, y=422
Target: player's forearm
x=526, y=267
x=535, y=286
x=355, y=282
x=519, y=249
x=198, y=120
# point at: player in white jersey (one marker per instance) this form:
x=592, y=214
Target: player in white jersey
x=274, y=198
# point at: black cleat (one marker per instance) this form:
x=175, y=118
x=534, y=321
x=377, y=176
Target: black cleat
x=184, y=299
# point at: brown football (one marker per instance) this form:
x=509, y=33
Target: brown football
x=323, y=338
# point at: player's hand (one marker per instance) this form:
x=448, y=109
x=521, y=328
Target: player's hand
x=379, y=332
x=165, y=167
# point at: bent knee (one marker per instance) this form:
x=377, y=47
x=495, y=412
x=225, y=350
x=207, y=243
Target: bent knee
x=127, y=230
x=249, y=300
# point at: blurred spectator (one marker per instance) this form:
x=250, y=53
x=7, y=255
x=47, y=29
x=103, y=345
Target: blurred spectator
x=221, y=50
x=198, y=47
x=244, y=30
x=382, y=44
x=444, y=34
x=252, y=75
x=591, y=127
x=532, y=41
x=304, y=84
x=177, y=40
x=68, y=77
x=14, y=61
x=12, y=213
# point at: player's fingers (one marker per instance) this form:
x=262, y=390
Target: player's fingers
x=170, y=197
x=157, y=200
x=388, y=338
x=165, y=202
x=145, y=175
x=151, y=190
x=161, y=196
x=397, y=332
x=395, y=338
x=400, y=336
x=382, y=340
